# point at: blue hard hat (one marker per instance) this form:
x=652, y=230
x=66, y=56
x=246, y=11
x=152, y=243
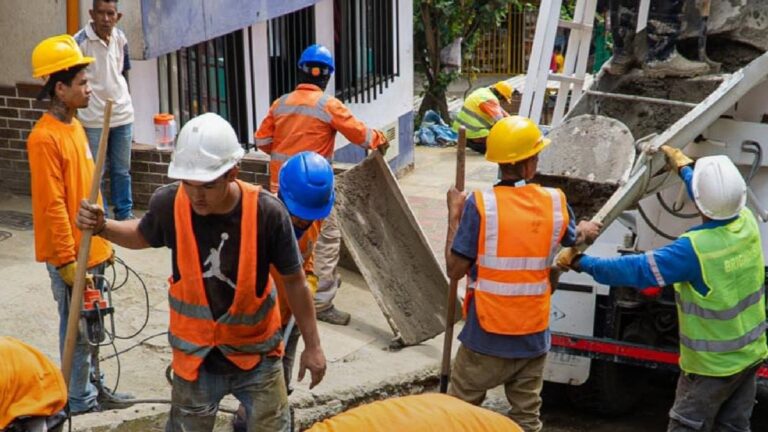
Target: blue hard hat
x=306, y=186
x=317, y=54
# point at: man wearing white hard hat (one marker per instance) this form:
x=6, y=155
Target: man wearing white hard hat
x=718, y=273
x=225, y=327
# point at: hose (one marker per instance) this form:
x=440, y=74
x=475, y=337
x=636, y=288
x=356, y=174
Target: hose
x=648, y=222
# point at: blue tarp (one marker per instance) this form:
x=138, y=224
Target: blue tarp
x=172, y=24
x=434, y=132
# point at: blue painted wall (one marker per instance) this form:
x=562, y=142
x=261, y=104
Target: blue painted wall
x=172, y=24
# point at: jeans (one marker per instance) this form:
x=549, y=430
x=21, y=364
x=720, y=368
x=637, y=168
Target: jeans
x=82, y=392
x=664, y=23
x=119, y=163
x=261, y=391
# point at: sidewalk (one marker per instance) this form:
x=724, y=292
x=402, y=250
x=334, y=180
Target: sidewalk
x=361, y=366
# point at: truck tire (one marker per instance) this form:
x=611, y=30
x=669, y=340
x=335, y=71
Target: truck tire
x=612, y=389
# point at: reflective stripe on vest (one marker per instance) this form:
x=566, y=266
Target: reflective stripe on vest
x=251, y=326
x=520, y=228
x=318, y=111
x=723, y=332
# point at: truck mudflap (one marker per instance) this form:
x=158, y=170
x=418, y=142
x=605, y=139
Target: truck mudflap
x=621, y=352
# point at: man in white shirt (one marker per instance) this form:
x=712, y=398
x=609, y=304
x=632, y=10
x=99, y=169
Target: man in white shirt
x=108, y=77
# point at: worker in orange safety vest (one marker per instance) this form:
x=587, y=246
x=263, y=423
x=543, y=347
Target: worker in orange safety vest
x=505, y=239
x=32, y=389
x=426, y=412
x=307, y=119
x=225, y=234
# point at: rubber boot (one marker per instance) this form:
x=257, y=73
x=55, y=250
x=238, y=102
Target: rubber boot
x=675, y=66
x=620, y=64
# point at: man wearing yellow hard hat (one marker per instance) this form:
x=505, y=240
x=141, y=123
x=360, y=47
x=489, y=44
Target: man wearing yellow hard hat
x=504, y=238
x=481, y=110
x=61, y=167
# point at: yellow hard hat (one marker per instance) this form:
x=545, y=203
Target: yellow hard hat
x=56, y=54
x=513, y=139
x=505, y=89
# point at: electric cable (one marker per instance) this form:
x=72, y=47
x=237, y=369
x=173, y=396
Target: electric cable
x=672, y=211
x=650, y=224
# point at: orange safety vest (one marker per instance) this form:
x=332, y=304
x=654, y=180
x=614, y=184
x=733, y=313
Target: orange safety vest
x=520, y=230
x=306, y=247
x=251, y=326
x=307, y=119
x=30, y=383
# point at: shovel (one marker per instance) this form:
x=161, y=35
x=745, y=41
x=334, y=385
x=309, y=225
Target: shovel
x=714, y=66
x=76, y=301
x=445, y=370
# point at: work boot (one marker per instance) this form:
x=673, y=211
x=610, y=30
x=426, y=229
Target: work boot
x=620, y=64
x=675, y=66
x=109, y=399
x=334, y=316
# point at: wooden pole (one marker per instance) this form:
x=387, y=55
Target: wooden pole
x=76, y=301
x=445, y=370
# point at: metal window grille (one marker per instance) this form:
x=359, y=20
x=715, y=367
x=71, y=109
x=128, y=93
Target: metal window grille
x=287, y=37
x=504, y=49
x=207, y=77
x=367, y=48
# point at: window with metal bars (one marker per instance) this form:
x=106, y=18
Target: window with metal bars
x=207, y=77
x=287, y=37
x=367, y=47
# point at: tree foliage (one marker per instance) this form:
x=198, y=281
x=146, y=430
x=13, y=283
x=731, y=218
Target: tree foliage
x=437, y=23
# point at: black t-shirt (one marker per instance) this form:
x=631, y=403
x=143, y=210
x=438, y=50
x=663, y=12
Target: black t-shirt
x=218, y=243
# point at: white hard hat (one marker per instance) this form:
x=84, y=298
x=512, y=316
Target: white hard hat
x=719, y=189
x=207, y=147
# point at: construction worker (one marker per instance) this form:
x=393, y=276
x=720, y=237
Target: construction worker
x=307, y=120
x=61, y=166
x=306, y=189
x=225, y=324
x=718, y=273
x=108, y=77
x=504, y=238
x=481, y=110
x=664, y=24
x=417, y=413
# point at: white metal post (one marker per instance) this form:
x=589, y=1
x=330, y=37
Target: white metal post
x=541, y=56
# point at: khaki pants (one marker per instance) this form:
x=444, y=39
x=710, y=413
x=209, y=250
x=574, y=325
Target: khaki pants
x=473, y=374
x=326, y=258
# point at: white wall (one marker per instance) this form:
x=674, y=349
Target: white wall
x=23, y=24
x=145, y=93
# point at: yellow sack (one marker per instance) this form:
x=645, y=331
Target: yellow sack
x=30, y=384
x=433, y=412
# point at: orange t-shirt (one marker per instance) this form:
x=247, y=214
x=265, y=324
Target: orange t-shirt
x=61, y=167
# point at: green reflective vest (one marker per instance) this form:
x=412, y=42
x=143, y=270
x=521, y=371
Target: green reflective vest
x=723, y=332
x=477, y=122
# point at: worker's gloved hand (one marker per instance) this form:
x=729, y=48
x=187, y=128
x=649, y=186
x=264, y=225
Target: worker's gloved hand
x=383, y=147
x=568, y=259
x=587, y=232
x=676, y=158
x=67, y=273
x=90, y=216
x=312, y=283
x=455, y=200
x=314, y=360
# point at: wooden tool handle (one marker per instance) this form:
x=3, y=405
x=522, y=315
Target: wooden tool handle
x=445, y=369
x=76, y=301
x=706, y=6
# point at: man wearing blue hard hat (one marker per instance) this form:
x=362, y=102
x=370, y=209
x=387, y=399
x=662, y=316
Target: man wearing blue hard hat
x=307, y=190
x=307, y=119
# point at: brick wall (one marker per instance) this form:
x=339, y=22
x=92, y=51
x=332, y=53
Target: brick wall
x=19, y=110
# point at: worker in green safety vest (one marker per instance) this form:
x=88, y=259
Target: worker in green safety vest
x=481, y=110
x=718, y=272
